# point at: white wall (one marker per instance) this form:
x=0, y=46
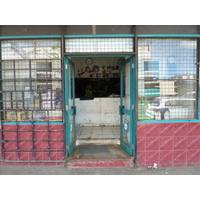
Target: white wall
x=98, y=112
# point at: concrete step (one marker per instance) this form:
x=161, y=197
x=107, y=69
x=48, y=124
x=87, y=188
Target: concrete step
x=94, y=155
x=100, y=162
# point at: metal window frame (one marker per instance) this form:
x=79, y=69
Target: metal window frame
x=32, y=123
x=177, y=36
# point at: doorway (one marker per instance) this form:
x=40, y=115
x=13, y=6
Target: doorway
x=100, y=99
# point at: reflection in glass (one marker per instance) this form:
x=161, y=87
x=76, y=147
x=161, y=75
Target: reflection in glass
x=167, y=79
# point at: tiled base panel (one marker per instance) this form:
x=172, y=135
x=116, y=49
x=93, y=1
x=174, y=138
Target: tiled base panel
x=168, y=144
x=32, y=145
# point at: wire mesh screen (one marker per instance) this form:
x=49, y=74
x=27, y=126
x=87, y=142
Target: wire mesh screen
x=31, y=80
x=30, y=49
x=99, y=45
x=167, y=79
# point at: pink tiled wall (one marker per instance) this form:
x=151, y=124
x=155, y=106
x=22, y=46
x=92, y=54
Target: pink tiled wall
x=168, y=144
x=54, y=142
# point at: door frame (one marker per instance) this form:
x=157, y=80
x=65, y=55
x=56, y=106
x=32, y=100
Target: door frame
x=134, y=92
x=132, y=104
x=69, y=111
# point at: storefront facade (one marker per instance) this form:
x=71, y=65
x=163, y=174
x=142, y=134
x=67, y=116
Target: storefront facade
x=152, y=85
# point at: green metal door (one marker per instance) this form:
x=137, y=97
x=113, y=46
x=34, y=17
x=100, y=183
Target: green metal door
x=127, y=104
x=70, y=112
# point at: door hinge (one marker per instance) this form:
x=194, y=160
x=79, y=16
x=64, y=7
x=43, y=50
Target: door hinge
x=133, y=107
x=133, y=66
x=67, y=107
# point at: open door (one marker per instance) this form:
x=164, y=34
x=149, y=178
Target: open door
x=127, y=104
x=70, y=126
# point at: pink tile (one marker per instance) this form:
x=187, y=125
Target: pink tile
x=152, y=130
x=56, y=135
x=193, y=142
x=193, y=129
x=152, y=157
x=180, y=129
x=25, y=127
x=25, y=145
x=41, y=135
x=166, y=143
x=141, y=144
x=56, y=145
x=141, y=130
x=166, y=129
x=24, y=135
x=11, y=155
x=56, y=127
x=9, y=135
x=180, y=143
x=10, y=145
x=9, y=127
x=153, y=143
x=57, y=155
x=41, y=145
x=41, y=127
x=141, y=158
x=25, y=155
x=166, y=158
x=41, y=155
x=180, y=158
x=193, y=156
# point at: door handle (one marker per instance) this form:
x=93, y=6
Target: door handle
x=120, y=110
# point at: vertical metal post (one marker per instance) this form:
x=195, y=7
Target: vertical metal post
x=64, y=91
x=136, y=93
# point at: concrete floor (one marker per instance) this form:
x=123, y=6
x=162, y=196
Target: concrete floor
x=99, y=151
x=99, y=132
x=45, y=170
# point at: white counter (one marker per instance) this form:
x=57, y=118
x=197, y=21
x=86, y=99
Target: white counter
x=97, y=112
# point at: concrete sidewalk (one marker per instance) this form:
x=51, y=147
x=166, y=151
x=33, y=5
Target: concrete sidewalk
x=49, y=170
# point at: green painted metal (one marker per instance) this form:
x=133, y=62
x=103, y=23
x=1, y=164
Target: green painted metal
x=99, y=36
x=168, y=35
x=133, y=35
x=30, y=123
x=29, y=37
x=130, y=112
x=70, y=110
x=103, y=55
x=167, y=121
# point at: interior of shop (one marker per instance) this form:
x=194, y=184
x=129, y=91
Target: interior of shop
x=97, y=91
